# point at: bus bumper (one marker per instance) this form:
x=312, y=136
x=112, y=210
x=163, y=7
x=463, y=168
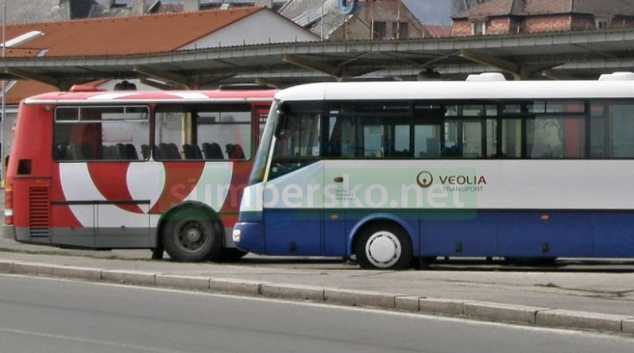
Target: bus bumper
x=249, y=236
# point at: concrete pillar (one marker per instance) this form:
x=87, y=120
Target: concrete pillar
x=138, y=7
x=191, y=5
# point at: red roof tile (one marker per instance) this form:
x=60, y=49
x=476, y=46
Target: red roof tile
x=126, y=35
x=438, y=31
x=114, y=36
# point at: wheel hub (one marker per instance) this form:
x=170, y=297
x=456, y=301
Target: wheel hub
x=193, y=235
x=383, y=249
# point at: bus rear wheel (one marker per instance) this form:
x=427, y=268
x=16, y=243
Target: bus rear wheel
x=190, y=236
x=383, y=246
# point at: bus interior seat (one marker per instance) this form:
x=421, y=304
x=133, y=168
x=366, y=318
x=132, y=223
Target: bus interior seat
x=80, y=152
x=169, y=151
x=156, y=152
x=400, y=154
x=61, y=152
x=109, y=152
x=235, y=151
x=188, y=151
x=130, y=152
x=163, y=150
x=212, y=151
x=174, y=151
x=451, y=152
x=192, y=151
x=120, y=151
x=198, y=154
x=145, y=151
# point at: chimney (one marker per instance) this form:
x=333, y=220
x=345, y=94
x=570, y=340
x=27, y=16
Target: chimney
x=191, y=5
x=138, y=7
x=267, y=3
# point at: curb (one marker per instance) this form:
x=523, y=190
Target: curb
x=486, y=311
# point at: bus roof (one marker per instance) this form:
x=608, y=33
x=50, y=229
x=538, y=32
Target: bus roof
x=458, y=90
x=96, y=96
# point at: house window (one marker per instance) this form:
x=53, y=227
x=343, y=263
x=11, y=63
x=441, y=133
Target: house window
x=380, y=30
x=602, y=23
x=399, y=30
x=479, y=28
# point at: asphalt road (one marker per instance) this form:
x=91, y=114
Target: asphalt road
x=51, y=315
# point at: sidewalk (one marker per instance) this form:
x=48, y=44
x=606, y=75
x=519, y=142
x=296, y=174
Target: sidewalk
x=558, y=298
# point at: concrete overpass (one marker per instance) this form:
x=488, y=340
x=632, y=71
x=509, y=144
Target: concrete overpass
x=569, y=55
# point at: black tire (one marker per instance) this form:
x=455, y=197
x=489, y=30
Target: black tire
x=157, y=253
x=383, y=246
x=191, y=236
x=231, y=255
x=423, y=263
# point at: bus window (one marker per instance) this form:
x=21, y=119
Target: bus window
x=207, y=132
x=511, y=138
x=463, y=139
x=555, y=137
x=619, y=121
x=301, y=138
x=297, y=145
x=427, y=141
x=100, y=133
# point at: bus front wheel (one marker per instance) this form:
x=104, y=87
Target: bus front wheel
x=383, y=246
x=190, y=236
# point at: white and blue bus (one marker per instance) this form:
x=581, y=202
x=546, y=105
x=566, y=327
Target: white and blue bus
x=393, y=172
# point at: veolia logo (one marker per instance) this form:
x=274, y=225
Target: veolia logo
x=424, y=179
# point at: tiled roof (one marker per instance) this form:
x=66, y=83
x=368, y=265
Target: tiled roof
x=126, y=35
x=546, y=7
x=114, y=36
x=437, y=31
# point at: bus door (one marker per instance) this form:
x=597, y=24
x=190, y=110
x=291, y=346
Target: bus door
x=347, y=141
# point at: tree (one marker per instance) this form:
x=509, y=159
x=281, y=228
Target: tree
x=462, y=5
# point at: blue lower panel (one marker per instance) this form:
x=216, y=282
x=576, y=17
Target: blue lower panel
x=252, y=239
x=293, y=232
x=458, y=234
x=545, y=234
x=614, y=235
x=518, y=233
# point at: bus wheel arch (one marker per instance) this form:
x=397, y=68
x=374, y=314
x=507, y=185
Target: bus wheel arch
x=382, y=244
x=191, y=232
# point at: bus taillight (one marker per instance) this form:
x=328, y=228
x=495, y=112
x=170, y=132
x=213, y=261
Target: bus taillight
x=8, y=204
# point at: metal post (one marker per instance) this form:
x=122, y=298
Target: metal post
x=4, y=86
x=322, y=20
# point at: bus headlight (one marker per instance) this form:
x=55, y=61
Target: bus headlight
x=236, y=235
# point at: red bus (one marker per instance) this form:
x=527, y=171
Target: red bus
x=160, y=170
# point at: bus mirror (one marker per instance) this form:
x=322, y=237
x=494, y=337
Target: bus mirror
x=282, y=121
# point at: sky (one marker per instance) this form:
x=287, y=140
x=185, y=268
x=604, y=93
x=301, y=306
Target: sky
x=427, y=11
